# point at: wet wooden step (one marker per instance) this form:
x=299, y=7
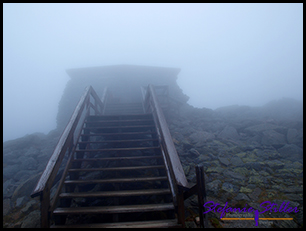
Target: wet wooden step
x=117, y=127
x=117, y=149
x=115, y=209
x=121, y=193
x=119, y=121
x=169, y=223
x=116, y=180
x=117, y=158
x=119, y=117
x=118, y=134
x=115, y=168
x=116, y=141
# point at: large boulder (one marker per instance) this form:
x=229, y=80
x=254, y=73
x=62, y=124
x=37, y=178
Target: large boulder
x=274, y=138
x=229, y=133
x=291, y=152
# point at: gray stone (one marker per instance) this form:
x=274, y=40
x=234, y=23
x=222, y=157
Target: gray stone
x=228, y=187
x=241, y=196
x=28, y=163
x=291, y=152
x=272, y=137
x=20, y=201
x=229, y=132
x=232, y=174
x=236, y=161
x=11, y=170
x=214, y=187
x=6, y=206
x=199, y=138
x=224, y=161
x=291, y=135
x=255, y=194
x=275, y=164
x=261, y=128
x=32, y=220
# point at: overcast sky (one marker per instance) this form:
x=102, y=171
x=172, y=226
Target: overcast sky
x=245, y=54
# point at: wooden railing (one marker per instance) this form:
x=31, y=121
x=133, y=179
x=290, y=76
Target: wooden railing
x=89, y=103
x=180, y=188
x=175, y=172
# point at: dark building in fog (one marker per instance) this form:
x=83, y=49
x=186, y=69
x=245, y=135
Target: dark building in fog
x=123, y=81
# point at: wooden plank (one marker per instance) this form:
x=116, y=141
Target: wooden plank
x=116, y=180
x=121, y=193
x=169, y=223
x=117, y=149
x=118, y=134
x=117, y=141
x=112, y=127
x=117, y=158
x=116, y=168
x=115, y=209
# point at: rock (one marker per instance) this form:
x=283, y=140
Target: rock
x=224, y=161
x=214, y=169
x=28, y=163
x=241, y=196
x=20, y=201
x=245, y=190
x=291, y=135
x=32, y=220
x=10, y=170
x=199, y=138
x=275, y=164
x=214, y=187
x=8, y=188
x=272, y=137
x=25, y=189
x=236, y=161
x=255, y=194
x=291, y=152
x=6, y=206
x=230, y=133
x=261, y=127
x=228, y=187
x=232, y=174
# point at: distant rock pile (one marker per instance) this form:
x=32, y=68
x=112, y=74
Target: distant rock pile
x=250, y=155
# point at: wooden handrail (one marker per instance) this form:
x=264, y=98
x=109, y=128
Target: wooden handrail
x=65, y=145
x=169, y=148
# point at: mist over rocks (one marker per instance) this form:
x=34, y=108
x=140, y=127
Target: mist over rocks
x=253, y=154
x=249, y=155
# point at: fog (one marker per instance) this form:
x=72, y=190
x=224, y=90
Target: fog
x=245, y=54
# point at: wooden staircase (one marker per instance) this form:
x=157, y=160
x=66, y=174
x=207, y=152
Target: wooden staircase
x=118, y=167
x=118, y=176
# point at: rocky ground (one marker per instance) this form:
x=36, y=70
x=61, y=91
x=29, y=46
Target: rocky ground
x=249, y=156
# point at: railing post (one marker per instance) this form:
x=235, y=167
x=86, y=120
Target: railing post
x=44, y=208
x=201, y=195
x=180, y=206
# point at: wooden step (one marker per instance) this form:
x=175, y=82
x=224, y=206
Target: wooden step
x=169, y=223
x=115, y=209
x=119, y=121
x=116, y=180
x=115, y=168
x=116, y=141
x=117, y=149
x=123, y=127
x=121, y=193
x=119, y=117
x=118, y=134
x=117, y=158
